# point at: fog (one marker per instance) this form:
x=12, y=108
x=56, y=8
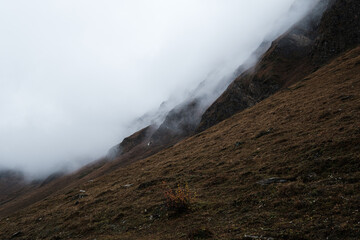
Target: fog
x=75, y=74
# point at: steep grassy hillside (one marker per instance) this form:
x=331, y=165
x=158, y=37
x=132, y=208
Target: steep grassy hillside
x=286, y=168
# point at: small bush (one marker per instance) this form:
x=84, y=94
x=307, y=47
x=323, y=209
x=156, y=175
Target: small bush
x=178, y=200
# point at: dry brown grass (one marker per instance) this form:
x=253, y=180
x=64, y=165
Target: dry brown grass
x=178, y=200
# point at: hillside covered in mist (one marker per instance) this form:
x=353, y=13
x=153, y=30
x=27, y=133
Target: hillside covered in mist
x=270, y=150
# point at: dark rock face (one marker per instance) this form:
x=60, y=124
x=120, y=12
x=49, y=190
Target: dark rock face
x=136, y=139
x=330, y=29
x=282, y=63
x=179, y=123
x=339, y=30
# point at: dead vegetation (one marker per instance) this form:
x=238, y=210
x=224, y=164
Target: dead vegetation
x=179, y=200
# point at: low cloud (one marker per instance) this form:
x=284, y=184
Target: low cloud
x=75, y=74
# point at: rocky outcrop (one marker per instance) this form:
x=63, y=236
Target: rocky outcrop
x=303, y=49
x=135, y=139
x=179, y=123
x=339, y=30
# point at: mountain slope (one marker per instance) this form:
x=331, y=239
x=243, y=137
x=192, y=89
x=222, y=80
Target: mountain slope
x=306, y=47
x=306, y=136
x=303, y=49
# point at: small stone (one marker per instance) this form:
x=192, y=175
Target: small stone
x=275, y=180
x=238, y=144
x=82, y=191
x=17, y=234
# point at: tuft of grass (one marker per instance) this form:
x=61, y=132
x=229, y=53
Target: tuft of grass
x=178, y=200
